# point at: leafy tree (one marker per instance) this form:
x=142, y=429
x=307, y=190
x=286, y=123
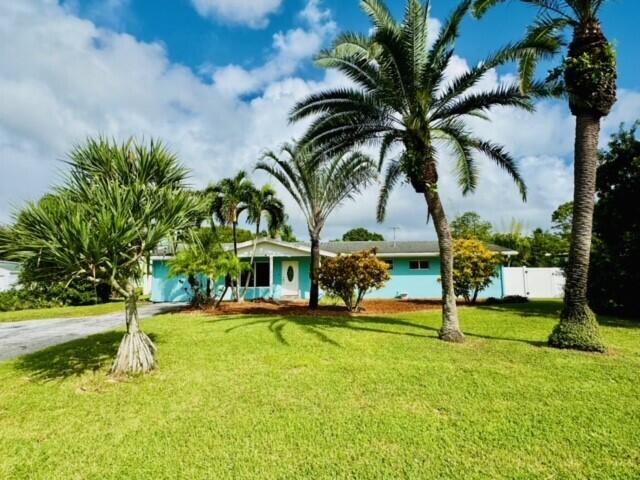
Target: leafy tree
x=361, y=234
x=474, y=267
x=284, y=232
x=471, y=225
x=318, y=183
x=117, y=204
x=547, y=249
x=614, y=276
x=588, y=77
x=404, y=100
x=350, y=277
x=561, y=220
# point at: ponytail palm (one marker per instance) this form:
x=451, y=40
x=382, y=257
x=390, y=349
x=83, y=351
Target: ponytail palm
x=403, y=101
x=318, y=184
x=588, y=77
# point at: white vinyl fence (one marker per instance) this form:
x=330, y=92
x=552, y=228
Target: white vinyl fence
x=533, y=282
x=8, y=279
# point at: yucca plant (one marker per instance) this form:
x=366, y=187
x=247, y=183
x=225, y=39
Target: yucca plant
x=318, y=184
x=118, y=203
x=588, y=77
x=403, y=101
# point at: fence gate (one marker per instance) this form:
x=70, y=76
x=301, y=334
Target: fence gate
x=534, y=282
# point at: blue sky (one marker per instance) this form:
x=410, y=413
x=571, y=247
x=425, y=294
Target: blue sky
x=215, y=80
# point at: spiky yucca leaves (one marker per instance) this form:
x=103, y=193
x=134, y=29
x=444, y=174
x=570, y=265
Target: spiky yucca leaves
x=403, y=102
x=589, y=81
x=103, y=222
x=318, y=184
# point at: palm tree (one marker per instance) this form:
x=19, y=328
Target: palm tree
x=589, y=79
x=117, y=204
x=262, y=202
x=229, y=198
x=318, y=184
x=402, y=99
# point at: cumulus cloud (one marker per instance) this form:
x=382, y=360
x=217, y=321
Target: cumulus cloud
x=290, y=49
x=63, y=79
x=253, y=13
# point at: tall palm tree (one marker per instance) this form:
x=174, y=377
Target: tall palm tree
x=589, y=80
x=229, y=198
x=402, y=99
x=318, y=184
x=263, y=201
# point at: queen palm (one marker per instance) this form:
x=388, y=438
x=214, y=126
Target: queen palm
x=589, y=80
x=403, y=101
x=318, y=184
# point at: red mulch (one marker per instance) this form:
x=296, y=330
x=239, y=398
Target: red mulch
x=299, y=307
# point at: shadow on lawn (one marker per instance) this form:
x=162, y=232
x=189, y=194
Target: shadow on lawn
x=318, y=326
x=73, y=358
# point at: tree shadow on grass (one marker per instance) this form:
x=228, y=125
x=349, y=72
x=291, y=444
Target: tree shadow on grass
x=73, y=358
x=537, y=308
x=319, y=327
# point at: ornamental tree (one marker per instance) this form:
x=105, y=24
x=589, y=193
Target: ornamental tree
x=474, y=266
x=350, y=277
x=119, y=201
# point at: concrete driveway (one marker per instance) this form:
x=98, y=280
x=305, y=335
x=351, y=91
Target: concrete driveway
x=19, y=338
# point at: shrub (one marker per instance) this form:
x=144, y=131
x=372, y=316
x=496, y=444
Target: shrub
x=474, y=265
x=350, y=277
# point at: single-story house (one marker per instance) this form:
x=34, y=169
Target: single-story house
x=281, y=270
x=9, y=272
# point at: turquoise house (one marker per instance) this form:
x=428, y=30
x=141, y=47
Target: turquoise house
x=281, y=270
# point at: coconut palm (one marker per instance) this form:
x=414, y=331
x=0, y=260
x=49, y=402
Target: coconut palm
x=229, y=198
x=318, y=184
x=117, y=204
x=589, y=79
x=402, y=99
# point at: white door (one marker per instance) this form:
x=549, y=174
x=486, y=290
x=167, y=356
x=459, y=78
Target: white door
x=290, y=280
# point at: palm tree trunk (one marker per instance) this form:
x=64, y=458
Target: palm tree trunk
x=450, y=330
x=253, y=256
x=137, y=352
x=578, y=327
x=313, y=271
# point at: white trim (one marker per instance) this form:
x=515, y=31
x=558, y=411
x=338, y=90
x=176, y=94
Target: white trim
x=278, y=243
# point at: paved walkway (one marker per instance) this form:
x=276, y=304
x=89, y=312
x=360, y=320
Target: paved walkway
x=19, y=338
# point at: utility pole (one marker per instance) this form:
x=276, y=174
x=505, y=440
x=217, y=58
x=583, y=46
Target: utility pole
x=394, y=234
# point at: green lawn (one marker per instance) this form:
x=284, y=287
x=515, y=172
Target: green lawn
x=307, y=397
x=61, y=312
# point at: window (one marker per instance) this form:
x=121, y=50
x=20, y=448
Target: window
x=261, y=271
x=418, y=264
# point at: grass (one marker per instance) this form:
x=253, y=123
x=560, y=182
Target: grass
x=61, y=312
x=307, y=397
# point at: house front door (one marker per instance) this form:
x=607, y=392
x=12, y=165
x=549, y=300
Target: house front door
x=290, y=278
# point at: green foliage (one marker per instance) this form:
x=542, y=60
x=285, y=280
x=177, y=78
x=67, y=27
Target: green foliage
x=578, y=331
x=561, y=220
x=615, y=274
x=225, y=234
x=474, y=267
x=470, y=225
x=265, y=202
x=350, y=277
x=361, y=234
x=284, y=232
x=118, y=203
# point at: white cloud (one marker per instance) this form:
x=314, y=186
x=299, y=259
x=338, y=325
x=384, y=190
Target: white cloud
x=291, y=48
x=64, y=79
x=254, y=13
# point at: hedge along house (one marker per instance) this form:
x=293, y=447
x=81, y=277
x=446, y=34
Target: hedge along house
x=281, y=270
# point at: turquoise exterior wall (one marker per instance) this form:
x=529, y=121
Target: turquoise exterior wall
x=167, y=289
x=415, y=283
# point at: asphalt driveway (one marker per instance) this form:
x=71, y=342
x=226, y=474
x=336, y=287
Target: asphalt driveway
x=19, y=338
